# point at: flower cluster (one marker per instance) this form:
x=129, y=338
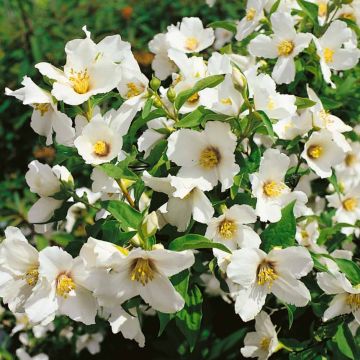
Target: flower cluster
x=226, y=170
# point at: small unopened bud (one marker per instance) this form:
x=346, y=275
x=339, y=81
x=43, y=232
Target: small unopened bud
x=158, y=247
x=136, y=240
x=155, y=83
x=157, y=102
x=238, y=78
x=171, y=94
x=150, y=224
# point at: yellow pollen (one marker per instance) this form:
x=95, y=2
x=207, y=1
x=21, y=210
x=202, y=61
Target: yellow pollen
x=304, y=234
x=273, y=189
x=350, y=204
x=328, y=55
x=80, y=81
x=265, y=343
x=65, y=285
x=250, y=14
x=32, y=276
x=266, y=274
x=324, y=117
x=122, y=250
x=315, y=151
x=322, y=9
x=226, y=101
x=191, y=43
x=353, y=300
x=142, y=272
x=101, y=148
x=133, y=90
x=193, y=98
x=348, y=15
x=209, y=158
x=227, y=229
x=271, y=104
x=350, y=159
x=43, y=108
x=285, y=48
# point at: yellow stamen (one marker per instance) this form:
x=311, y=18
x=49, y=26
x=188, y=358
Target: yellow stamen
x=250, y=14
x=209, y=158
x=324, y=117
x=266, y=274
x=193, y=98
x=142, y=271
x=191, y=43
x=348, y=15
x=227, y=229
x=353, y=300
x=322, y=8
x=304, y=234
x=328, y=55
x=273, y=189
x=101, y=148
x=65, y=285
x=43, y=108
x=315, y=151
x=80, y=81
x=32, y=276
x=265, y=343
x=271, y=104
x=350, y=204
x=133, y=91
x=226, y=101
x=285, y=48
x=350, y=159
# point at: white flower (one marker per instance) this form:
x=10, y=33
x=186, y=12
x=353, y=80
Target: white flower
x=145, y=273
x=285, y=44
x=260, y=274
x=347, y=297
x=321, y=153
x=45, y=118
x=322, y=10
x=349, y=169
x=307, y=233
x=270, y=190
x=186, y=199
x=89, y=70
x=208, y=154
x=222, y=37
x=23, y=355
x=43, y=210
x=18, y=269
x=190, y=36
x=293, y=126
x=91, y=342
x=263, y=342
x=332, y=55
x=266, y=98
x=254, y=13
x=63, y=289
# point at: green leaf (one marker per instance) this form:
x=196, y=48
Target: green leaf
x=227, y=25
x=310, y=9
x=123, y=212
x=194, y=241
x=333, y=181
x=267, y=123
x=281, y=233
x=317, y=264
x=147, y=108
x=290, y=309
x=350, y=269
x=274, y=7
x=208, y=82
x=192, y=119
x=346, y=343
x=303, y=103
x=118, y=171
x=113, y=233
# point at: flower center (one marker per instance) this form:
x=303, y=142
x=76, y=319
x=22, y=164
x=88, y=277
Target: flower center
x=348, y=15
x=315, y=151
x=193, y=98
x=209, y=158
x=266, y=273
x=226, y=101
x=191, y=43
x=64, y=284
x=32, y=276
x=285, y=48
x=322, y=8
x=350, y=204
x=328, y=55
x=250, y=14
x=350, y=159
x=273, y=189
x=265, y=343
x=133, y=91
x=271, y=104
x=80, y=81
x=227, y=229
x=142, y=272
x=43, y=108
x=353, y=300
x=101, y=148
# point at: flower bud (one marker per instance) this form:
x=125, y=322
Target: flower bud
x=155, y=83
x=238, y=78
x=171, y=94
x=157, y=102
x=158, y=247
x=150, y=224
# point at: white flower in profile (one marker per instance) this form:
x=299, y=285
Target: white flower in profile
x=222, y=37
x=284, y=45
x=89, y=70
x=145, y=273
x=230, y=229
x=186, y=199
x=264, y=341
x=91, y=342
x=18, y=269
x=189, y=36
x=260, y=274
x=208, y=154
x=333, y=56
x=321, y=153
x=307, y=233
x=293, y=126
x=62, y=290
x=350, y=167
x=349, y=11
x=347, y=297
x=347, y=207
x=254, y=13
x=23, y=355
x=267, y=99
x=45, y=119
x=269, y=188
